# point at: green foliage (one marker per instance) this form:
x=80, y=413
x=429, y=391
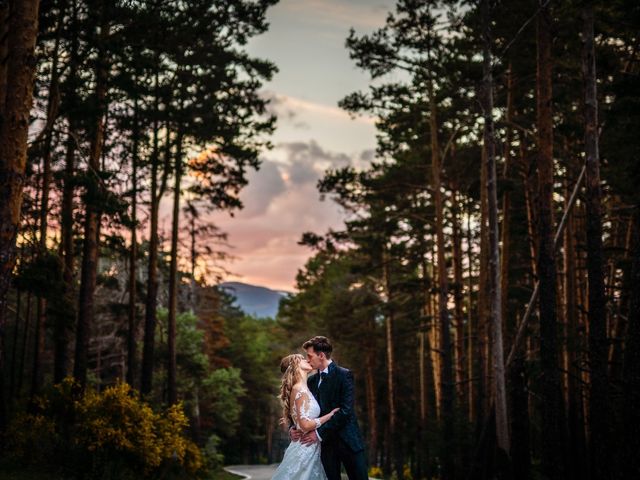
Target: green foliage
x=212, y=454
x=254, y=349
x=217, y=391
x=224, y=389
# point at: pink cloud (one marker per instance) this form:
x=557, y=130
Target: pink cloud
x=266, y=244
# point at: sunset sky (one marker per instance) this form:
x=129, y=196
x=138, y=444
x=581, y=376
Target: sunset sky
x=306, y=41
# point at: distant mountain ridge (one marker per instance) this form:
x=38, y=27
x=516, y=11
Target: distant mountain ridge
x=255, y=300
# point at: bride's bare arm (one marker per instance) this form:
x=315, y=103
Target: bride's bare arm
x=302, y=403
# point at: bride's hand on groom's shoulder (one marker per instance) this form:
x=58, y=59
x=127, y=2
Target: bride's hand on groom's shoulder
x=333, y=412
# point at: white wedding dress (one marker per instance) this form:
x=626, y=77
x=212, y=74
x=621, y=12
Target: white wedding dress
x=302, y=462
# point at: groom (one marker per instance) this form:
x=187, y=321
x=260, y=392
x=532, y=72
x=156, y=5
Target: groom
x=333, y=387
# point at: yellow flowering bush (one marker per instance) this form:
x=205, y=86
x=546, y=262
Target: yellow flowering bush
x=375, y=472
x=103, y=429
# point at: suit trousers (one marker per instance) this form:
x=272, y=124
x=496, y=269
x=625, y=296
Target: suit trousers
x=336, y=452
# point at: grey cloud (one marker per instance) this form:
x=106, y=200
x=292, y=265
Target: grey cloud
x=311, y=151
x=367, y=155
x=264, y=186
x=302, y=125
x=307, y=161
x=302, y=172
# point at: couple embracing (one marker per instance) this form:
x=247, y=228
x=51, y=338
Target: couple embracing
x=318, y=407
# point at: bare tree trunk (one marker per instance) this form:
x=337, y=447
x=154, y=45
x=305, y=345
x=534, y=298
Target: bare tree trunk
x=15, y=105
x=574, y=391
x=146, y=380
x=4, y=51
x=90, y=253
x=520, y=427
x=133, y=254
x=52, y=112
x=529, y=184
x=14, y=353
x=631, y=367
x=433, y=340
x=193, y=253
x=446, y=365
x=598, y=399
x=173, y=277
x=506, y=212
x=472, y=370
x=63, y=321
x=38, y=334
x=458, y=297
x=483, y=304
x=372, y=406
x=25, y=341
x=390, y=368
x=499, y=388
x=552, y=413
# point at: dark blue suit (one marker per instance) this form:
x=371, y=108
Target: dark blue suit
x=341, y=438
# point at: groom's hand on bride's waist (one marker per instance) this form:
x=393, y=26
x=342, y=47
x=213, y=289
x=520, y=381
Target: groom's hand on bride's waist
x=295, y=434
x=309, y=438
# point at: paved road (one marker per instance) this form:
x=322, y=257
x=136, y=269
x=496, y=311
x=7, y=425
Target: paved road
x=253, y=472
x=260, y=472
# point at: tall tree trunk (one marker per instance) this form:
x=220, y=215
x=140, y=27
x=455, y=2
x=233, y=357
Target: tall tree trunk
x=506, y=212
x=25, y=342
x=133, y=254
x=191, y=208
x=52, y=113
x=392, y=458
x=4, y=51
x=38, y=334
x=529, y=185
x=598, y=398
x=146, y=380
x=90, y=254
x=68, y=317
x=499, y=388
x=15, y=105
x=483, y=303
x=458, y=296
x=446, y=365
x=472, y=364
x=575, y=419
x=14, y=353
x=552, y=411
x=372, y=400
x=631, y=367
x=428, y=408
x=520, y=427
x=173, y=276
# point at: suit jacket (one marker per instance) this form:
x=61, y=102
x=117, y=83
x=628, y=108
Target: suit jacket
x=337, y=390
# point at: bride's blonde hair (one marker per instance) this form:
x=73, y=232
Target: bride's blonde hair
x=289, y=366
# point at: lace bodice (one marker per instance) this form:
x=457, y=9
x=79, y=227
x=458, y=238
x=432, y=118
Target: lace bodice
x=304, y=406
x=302, y=461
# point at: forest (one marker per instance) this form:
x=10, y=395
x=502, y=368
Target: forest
x=484, y=287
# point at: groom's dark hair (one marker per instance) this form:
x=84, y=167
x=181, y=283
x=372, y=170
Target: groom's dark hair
x=319, y=344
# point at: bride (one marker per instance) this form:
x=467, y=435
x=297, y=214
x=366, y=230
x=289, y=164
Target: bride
x=300, y=408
